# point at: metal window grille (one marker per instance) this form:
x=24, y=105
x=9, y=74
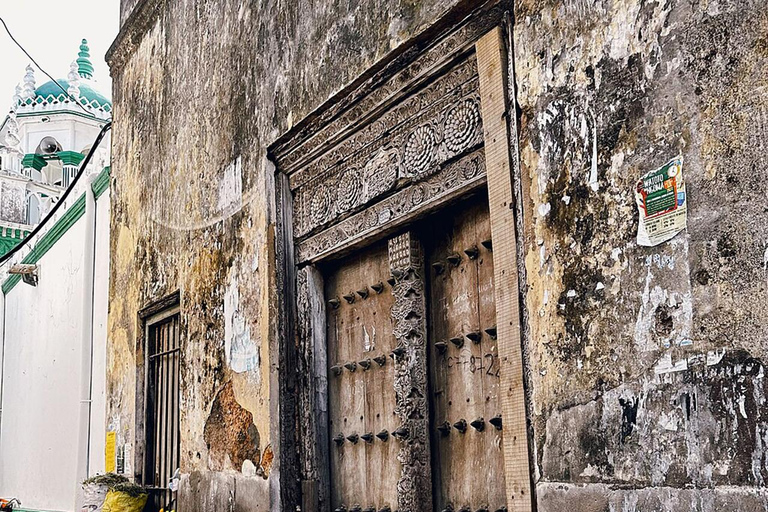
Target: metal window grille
x=162, y=408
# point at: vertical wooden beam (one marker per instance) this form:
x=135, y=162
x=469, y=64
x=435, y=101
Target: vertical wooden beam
x=313, y=391
x=497, y=112
x=409, y=325
x=284, y=487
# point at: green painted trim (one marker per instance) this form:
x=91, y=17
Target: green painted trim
x=101, y=183
x=11, y=240
x=70, y=157
x=51, y=112
x=37, y=162
x=51, y=237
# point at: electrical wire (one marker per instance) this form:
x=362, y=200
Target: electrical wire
x=63, y=197
x=41, y=68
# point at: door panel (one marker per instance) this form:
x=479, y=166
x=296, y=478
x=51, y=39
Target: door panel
x=364, y=472
x=464, y=365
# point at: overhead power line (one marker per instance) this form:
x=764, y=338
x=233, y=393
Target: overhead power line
x=40, y=67
x=63, y=197
x=83, y=164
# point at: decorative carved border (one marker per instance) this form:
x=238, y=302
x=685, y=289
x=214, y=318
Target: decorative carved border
x=447, y=88
x=367, y=161
x=406, y=263
x=407, y=68
x=312, y=396
x=460, y=176
x=406, y=152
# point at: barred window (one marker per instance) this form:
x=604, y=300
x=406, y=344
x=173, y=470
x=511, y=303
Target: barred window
x=161, y=456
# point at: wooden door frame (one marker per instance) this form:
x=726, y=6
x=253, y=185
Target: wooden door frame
x=311, y=229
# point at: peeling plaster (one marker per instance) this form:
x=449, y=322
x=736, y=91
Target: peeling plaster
x=242, y=352
x=606, y=89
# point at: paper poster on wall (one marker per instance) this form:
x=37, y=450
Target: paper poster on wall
x=109, y=453
x=662, y=203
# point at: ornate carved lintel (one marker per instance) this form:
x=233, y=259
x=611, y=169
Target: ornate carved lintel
x=456, y=178
x=409, y=326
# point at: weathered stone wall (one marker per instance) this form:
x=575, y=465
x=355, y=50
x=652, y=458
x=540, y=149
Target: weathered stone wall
x=647, y=364
x=646, y=379
x=200, y=90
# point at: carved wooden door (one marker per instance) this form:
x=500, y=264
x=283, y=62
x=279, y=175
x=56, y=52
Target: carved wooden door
x=468, y=463
x=384, y=333
x=400, y=336
x=363, y=453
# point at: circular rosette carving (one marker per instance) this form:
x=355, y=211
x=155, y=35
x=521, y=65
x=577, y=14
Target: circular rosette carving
x=380, y=173
x=461, y=126
x=321, y=206
x=470, y=169
x=419, y=150
x=349, y=190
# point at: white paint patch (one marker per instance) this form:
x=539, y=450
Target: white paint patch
x=594, y=184
x=599, y=286
x=644, y=316
x=765, y=259
x=249, y=468
x=571, y=294
x=590, y=471
x=680, y=302
x=617, y=163
x=665, y=365
x=241, y=352
x=742, y=410
x=544, y=209
x=668, y=422
x=567, y=201
x=715, y=356
x=231, y=188
x=369, y=340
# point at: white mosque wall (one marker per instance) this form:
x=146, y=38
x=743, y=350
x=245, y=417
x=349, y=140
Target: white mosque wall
x=39, y=426
x=73, y=132
x=100, y=308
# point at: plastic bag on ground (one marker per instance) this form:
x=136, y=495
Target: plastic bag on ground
x=122, y=502
x=93, y=497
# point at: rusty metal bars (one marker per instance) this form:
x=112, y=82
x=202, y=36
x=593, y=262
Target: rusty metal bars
x=162, y=422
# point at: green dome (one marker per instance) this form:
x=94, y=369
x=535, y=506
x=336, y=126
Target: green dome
x=51, y=92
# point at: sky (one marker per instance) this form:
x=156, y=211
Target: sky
x=51, y=32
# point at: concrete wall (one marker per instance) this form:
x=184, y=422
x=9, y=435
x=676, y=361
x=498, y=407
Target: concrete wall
x=647, y=363
x=41, y=373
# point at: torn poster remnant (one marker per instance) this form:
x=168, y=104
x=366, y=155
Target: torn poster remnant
x=662, y=204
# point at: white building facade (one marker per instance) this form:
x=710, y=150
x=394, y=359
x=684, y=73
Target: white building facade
x=52, y=362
